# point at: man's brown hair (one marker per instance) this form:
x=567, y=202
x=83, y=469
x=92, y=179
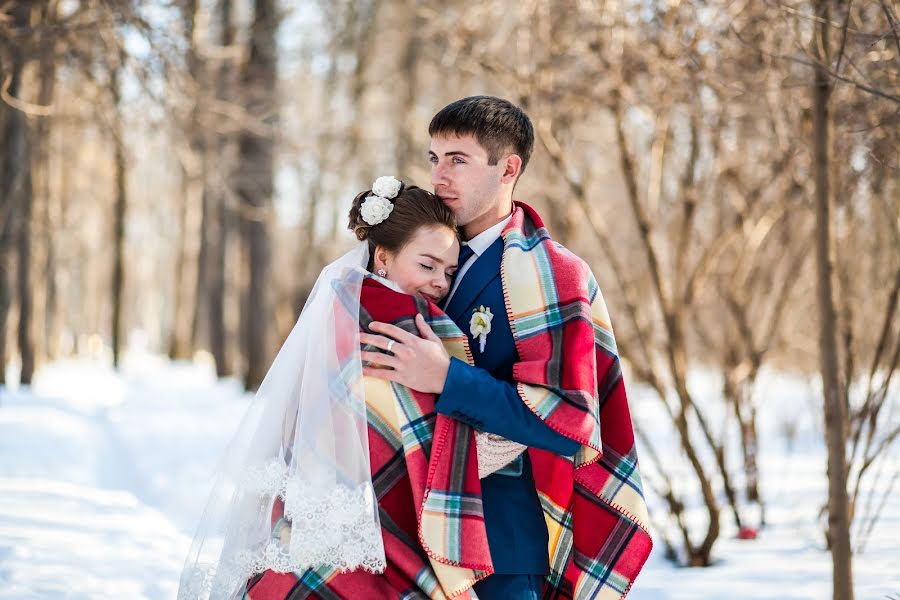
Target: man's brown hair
x=499, y=126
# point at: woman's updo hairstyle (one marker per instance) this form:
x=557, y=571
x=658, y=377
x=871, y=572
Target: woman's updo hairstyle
x=413, y=208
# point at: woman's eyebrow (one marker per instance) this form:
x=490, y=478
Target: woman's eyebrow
x=432, y=257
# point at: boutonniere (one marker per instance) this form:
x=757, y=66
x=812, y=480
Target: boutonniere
x=480, y=325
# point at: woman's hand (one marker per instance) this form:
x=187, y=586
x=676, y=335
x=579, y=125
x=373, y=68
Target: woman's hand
x=419, y=363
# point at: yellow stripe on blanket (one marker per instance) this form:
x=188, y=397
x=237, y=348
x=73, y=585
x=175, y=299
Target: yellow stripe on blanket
x=522, y=296
x=599, y=312
x=380, y=400
x=630, y=502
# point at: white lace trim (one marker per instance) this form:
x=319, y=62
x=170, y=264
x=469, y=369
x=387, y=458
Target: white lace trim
x=268, y=480
x=335, y=526
x=205, y=581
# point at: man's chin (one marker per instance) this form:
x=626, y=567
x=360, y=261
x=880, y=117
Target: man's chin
x=456, y=205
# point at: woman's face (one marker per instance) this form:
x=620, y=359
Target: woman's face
x=425, y=266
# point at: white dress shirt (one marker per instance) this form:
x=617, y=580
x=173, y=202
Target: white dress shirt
x=478, y=244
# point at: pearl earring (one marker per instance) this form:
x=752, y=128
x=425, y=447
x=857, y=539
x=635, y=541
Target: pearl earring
x=382, y=273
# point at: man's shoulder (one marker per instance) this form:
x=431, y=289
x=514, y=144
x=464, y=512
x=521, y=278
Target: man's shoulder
x=564, y=256
x=534, y=236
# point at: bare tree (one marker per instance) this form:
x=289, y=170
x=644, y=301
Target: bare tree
x=121, y=207
x=192, y=236
x=255, y=181
x=835, y=410
x=15, y=185
x=217, y=195
x=45, y=283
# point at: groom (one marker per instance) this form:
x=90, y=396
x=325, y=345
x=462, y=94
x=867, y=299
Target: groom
x=567, y=514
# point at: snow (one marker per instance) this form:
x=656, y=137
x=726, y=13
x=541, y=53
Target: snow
x=103, y=476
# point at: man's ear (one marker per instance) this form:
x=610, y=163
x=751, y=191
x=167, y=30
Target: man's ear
x=512, y=168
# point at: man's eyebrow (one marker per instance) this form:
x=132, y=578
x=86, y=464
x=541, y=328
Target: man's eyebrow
x=452, y=153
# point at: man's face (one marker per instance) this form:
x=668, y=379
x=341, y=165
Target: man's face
x=464, y=180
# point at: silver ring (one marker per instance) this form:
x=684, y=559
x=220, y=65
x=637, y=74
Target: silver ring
x=390, y=345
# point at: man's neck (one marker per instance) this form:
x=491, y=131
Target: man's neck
x=486, y=221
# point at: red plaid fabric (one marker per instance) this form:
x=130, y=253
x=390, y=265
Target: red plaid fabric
x=424, y=466
x=569, y=374
x=425, y=473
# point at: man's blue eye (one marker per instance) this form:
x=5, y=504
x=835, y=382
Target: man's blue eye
x=459, y=161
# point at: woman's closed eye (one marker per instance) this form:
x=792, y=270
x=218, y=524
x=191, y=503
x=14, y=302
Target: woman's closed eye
x=426, y=267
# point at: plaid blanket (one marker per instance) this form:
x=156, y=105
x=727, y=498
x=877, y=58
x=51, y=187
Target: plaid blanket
x=425, y=473
x=569, y=375
x=424, y=465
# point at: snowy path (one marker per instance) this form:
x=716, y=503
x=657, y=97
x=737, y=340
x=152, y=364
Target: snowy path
x=103, y=476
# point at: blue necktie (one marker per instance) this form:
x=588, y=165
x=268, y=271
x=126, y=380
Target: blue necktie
x=465, y=253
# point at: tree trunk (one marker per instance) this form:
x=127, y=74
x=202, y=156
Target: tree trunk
x=221, y=221
x=179, y=341
x=189, y=259
x=121, y=204
x=408, y=139
x=255, y=188
x=5, y=283
x=835, y=416
x=198, y=187
x=23, y=273
x=41, y=233
x=218, y=341
x=15, y=169
x=58, y=220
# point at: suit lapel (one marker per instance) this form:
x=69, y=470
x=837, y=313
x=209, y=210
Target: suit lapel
x=479, y=275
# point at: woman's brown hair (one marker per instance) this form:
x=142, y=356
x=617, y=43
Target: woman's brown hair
x=413, y=208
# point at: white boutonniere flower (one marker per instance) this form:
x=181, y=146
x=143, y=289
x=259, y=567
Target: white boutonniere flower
x=480, y=325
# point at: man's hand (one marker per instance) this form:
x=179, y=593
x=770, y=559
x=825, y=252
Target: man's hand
x=418, y=363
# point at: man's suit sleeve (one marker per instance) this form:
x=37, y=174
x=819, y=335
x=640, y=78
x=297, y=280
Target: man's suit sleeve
x=474, y=396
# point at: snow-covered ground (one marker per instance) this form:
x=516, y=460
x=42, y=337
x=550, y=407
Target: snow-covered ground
x=103, y=475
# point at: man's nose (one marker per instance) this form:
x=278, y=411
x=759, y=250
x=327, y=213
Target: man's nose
x=438, y=175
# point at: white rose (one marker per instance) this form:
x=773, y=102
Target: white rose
x=375, y=209
x=480, y=323
x=386, y=186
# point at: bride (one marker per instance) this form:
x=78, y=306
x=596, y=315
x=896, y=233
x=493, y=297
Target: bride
x=336, y=485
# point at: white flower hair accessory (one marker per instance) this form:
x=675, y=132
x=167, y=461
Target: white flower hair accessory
x=375, y=209
x=378, y=206
x=387, y=186
x=480, y=325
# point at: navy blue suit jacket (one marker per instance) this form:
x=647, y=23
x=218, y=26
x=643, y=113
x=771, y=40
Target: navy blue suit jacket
x=485, y=397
